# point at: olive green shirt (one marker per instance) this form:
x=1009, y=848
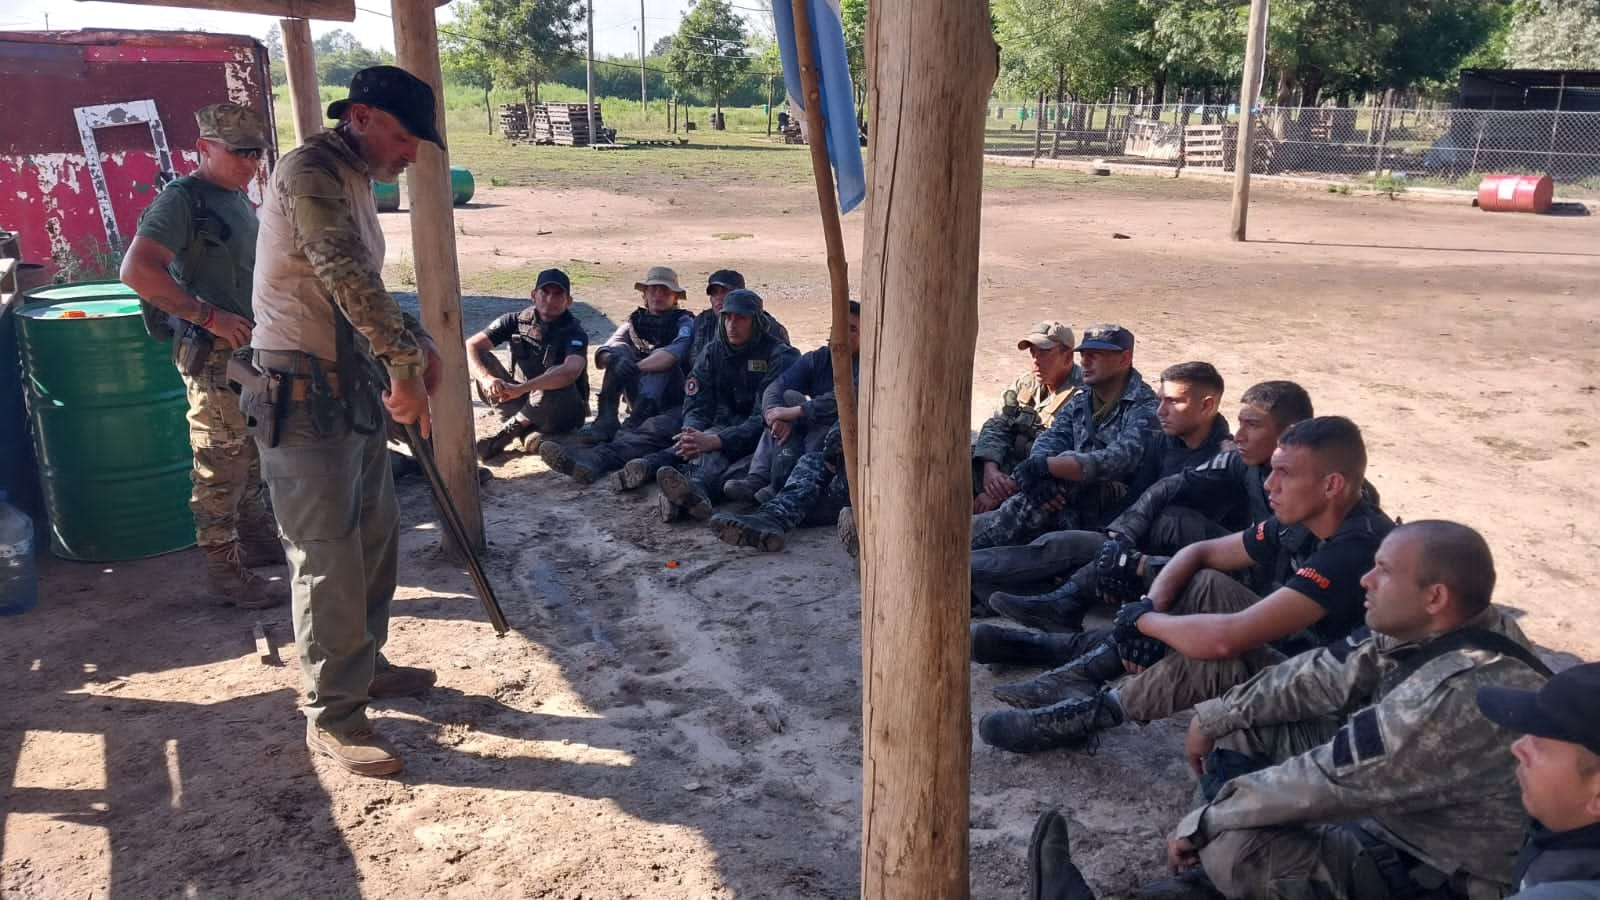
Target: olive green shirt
x=223, y=268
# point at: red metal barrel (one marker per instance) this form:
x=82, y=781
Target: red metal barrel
x=1515, y=193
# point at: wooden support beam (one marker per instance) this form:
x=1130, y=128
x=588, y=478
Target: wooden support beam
x=433, y=245
x=333, y=10
x=927, y=61
x=305, y=100
x=1255, y=50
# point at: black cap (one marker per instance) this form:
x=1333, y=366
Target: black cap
x=398, y=93
x=727, y=278
x=1106, y=337
x=555, y=277
x=1566, y=709
x=742, y=301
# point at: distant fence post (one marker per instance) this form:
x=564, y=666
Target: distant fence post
x=1383, y=132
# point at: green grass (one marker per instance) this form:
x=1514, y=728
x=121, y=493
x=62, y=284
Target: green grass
x=517, y=281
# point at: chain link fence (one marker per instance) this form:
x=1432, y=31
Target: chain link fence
x=1426, y=147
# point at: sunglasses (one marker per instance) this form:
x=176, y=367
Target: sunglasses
x=251, y=153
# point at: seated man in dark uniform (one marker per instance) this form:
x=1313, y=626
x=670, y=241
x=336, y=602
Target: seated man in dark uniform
x=549, y=394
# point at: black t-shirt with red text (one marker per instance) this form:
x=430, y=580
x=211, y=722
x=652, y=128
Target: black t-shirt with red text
x=1328, y=571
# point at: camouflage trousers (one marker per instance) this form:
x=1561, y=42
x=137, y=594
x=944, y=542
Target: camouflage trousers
x=1177, y=683
x=227, y=469
x=813, y=495
x=1019, y=520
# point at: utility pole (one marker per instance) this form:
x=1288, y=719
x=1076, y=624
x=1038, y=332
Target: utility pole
x=642, y=99
x=589, y=77
x=1255, y=51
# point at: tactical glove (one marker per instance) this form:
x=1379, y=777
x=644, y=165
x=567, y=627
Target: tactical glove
x=623, y=367
x=1116, y=569
x=833, y=444
x=1034, y=480
x=1132, y=645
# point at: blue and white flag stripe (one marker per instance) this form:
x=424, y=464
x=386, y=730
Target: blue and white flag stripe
x=838, y=97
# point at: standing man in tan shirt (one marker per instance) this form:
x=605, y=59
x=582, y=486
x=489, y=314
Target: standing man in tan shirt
x=323, y=323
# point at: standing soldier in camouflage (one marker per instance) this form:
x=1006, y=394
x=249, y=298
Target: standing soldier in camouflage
x=324, y=322
x=1026, y=409
x=1413, y=793
x=1078, y=469
x=192, y=259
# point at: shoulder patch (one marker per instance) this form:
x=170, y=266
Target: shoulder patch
x=756, y=365
x=1359, y=741
x=692, y=386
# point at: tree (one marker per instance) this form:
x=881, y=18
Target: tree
x=464, y=57
x=1555, y=34
x=854, y=15
x=275, y=67
x=526, y=41
x=340, y=55
x=709, y=52
x=1078, y=47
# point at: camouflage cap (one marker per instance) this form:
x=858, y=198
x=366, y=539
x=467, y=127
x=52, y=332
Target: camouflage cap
x=235, y=127
x=1045, y=335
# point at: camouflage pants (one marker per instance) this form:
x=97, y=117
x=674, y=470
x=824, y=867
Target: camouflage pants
x=814, y=494
x=1020, y=520
x=1177, y=683
x=1314, y=862
x=227, y=470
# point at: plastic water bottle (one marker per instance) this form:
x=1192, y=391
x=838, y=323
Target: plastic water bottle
x=19, y=580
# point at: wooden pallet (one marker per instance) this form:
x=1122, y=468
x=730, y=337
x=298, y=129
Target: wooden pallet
x=1205, y=146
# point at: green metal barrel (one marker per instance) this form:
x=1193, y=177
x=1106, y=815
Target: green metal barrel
x=461, y=185
x=19, y=478
x=387, y=193
x=109, y=427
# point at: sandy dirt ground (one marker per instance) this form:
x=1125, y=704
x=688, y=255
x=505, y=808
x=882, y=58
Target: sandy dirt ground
x=674, y=718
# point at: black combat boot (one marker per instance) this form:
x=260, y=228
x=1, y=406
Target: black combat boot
x=744, y=489
x=1078, y=678
x=1051, y=872
x=495, y=444
x=684, y=492
x=568, y=462
x=757, y=530
x=1060, y=610
x=605, y=424
x=998, y=645
x=1070, y=724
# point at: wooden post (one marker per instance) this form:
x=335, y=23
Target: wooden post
x=305, y=101
x=844, y=391
x=433, y=244
x=927, y=62
x=1250, y=88
x=1383, y=133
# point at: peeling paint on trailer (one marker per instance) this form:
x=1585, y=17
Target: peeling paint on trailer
x=136, y=91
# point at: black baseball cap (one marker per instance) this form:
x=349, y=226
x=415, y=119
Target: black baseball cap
x=742, y=301
x=1106, y=337
x=398, y=93
x=727, y=278
x=1566, y=709
x=555, y=277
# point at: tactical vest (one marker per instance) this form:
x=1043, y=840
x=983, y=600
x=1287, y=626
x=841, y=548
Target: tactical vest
x=652, y=331
x=206, y=229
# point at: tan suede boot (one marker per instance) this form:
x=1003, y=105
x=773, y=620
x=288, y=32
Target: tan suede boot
x=232, y=582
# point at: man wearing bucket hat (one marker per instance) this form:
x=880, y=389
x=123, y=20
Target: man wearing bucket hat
x=324, y=322
x=645, y=359
x=1027, y=408
x=192, y=258
x=1558, y=769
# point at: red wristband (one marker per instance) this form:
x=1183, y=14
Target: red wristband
x=211, y=315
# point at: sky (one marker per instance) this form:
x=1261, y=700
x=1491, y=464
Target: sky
x=615, y=21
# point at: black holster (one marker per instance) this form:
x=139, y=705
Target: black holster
x=191, y=348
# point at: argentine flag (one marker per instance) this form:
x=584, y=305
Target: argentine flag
x=838, y=97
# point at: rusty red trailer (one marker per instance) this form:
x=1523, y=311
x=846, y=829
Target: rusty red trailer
x=93, y=118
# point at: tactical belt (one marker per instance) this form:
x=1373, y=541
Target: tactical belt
x=1404, y=876
x=302, y=372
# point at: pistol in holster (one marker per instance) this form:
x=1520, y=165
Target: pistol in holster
x=263, y=397
x=191, y=347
